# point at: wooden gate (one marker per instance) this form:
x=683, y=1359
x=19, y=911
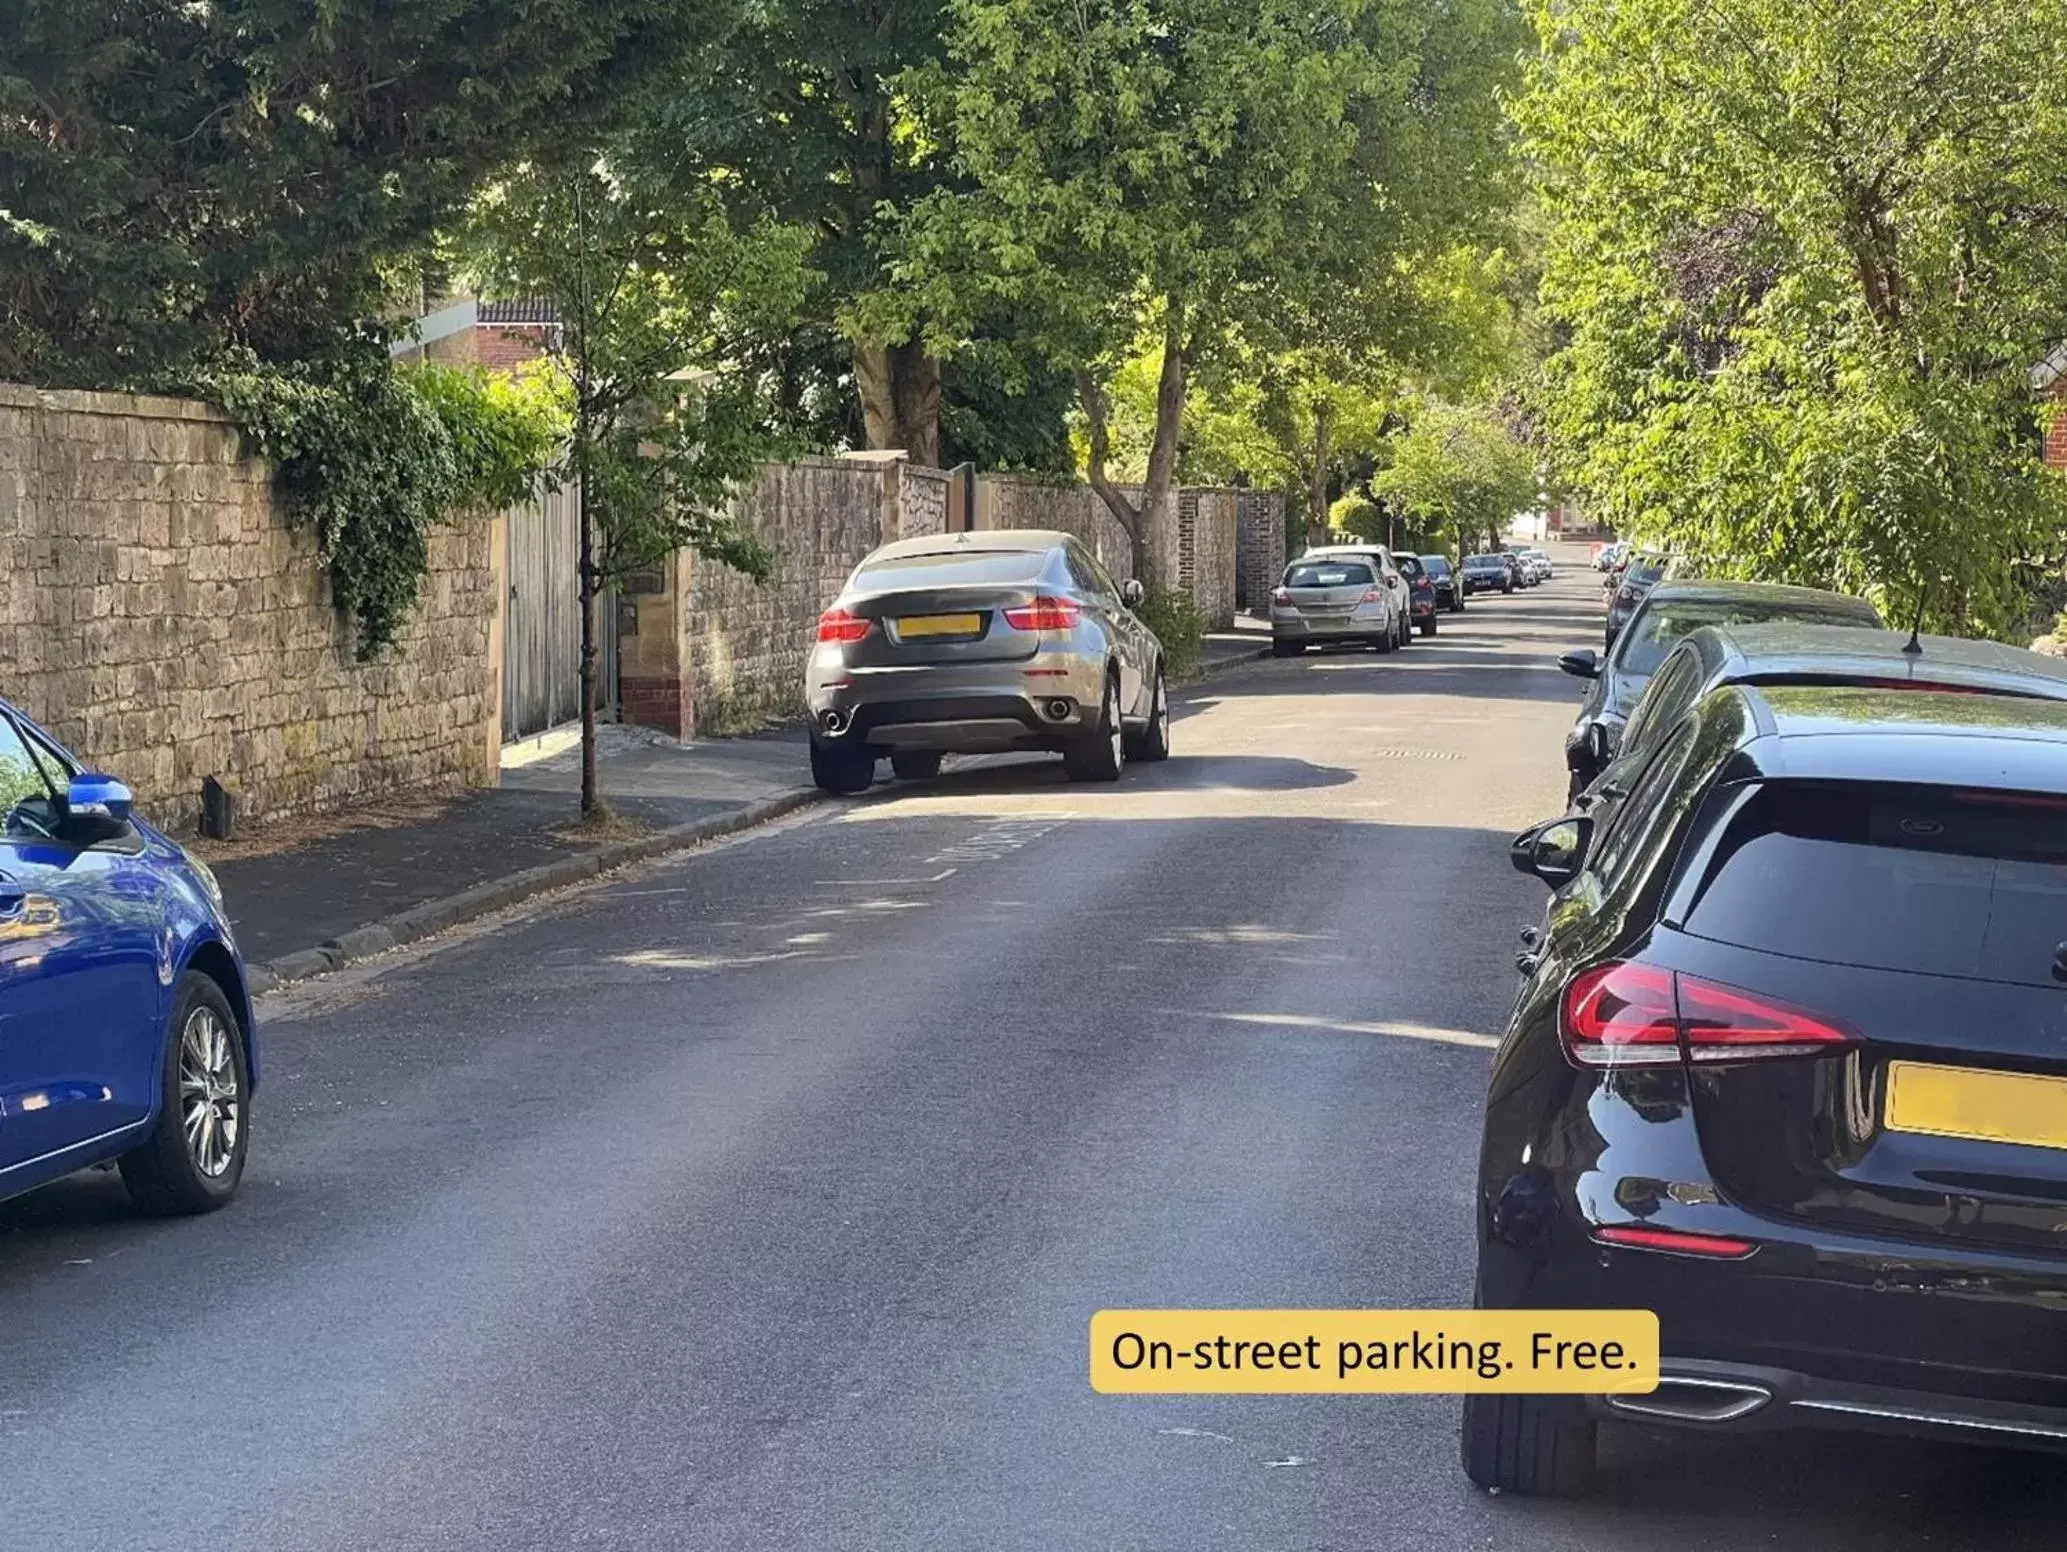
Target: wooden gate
x=541, y=663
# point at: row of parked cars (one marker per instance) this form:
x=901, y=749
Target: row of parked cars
x=1788, y=1061
x=1371, y=595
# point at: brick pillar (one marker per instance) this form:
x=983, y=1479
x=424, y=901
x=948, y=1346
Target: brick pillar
x=653, y=657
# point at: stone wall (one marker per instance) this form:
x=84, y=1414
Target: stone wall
x=1201, y=532
x=923, y=497
x=162, y=617
x=746, y=643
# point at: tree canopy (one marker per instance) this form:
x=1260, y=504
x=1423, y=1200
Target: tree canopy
x=1804, y=267
x=178, y=177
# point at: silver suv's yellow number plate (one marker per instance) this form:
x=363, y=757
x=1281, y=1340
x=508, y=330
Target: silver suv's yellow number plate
x=939, y=625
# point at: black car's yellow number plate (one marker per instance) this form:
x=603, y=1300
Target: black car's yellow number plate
x=939, y=625
x=1977, y=1103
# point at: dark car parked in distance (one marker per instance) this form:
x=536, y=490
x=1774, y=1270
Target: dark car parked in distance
x=1668, y=611
x=1630, y=583
x=1786, y=1068
x=1420, y=593
x=1792, y=651
x=1489, y=574
x=1449, y=586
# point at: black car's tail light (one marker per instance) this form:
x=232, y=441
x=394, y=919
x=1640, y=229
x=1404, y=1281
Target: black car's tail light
x=1620, y=1015
x=1625, y=1014
x=1717, y=1247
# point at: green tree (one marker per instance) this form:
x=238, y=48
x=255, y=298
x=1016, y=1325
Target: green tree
x=178, y=177
x=1805, y=261
x=1172, y=183
x=1458, y=471
x=664, y=425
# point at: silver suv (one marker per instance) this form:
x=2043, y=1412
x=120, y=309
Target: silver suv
x=977, y=643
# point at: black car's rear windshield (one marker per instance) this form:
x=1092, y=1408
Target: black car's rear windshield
x=1894, y=878
x=1410, y=566
x=1330, y=573
x=1436, y=565
x=1483, y=561
x=1661, y=625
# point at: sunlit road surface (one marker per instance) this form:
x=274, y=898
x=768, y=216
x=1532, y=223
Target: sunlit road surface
x=760, y=1199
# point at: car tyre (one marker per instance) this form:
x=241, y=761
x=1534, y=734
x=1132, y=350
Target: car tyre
x=1152, y=740
x=1102, y=755
x=1287, y=648
x=842, y=769
x=915, y=764
x=1428, y=626
x=1524, y=1444
x=194, y=1156
x=1386, y=642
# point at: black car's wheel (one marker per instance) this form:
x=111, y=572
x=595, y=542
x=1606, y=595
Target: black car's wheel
x=1287, y=648
x=915, y=764
x=1428, y=626
x=1101, y=755
x=1151, y=741
x=1457, y=605
x=194, y=1156
x=1405, y=630
x=1507, y=586
x=842, y=769
x=1525, y=1444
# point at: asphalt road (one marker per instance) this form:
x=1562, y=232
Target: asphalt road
x=760, y=1199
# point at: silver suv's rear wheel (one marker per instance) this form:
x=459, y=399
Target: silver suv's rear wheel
x=1100, y=755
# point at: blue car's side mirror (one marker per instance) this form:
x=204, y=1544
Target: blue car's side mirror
x=94, y=796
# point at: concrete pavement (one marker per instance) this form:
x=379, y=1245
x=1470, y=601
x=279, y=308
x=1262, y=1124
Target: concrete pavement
x=759, y=1198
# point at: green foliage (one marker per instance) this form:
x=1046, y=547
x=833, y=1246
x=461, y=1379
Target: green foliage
x=175, y=178
x=504, y=429
x=651, y=289
x=1174, y=618
x=1358, y=515
x=1804, y=268
x=1458, y=471
x=374, y=458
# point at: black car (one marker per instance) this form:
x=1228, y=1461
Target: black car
x=1790, y=651
x=1667, y=612
x=1489, y=574
x=1420, y=592
x=1631, y=583
x=1789, y=1068
x=1449, y=586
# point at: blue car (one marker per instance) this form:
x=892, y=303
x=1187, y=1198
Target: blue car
x=126, y=1031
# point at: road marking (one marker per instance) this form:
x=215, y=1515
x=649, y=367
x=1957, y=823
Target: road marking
x=1404, y=1029
x=885, y=883
x=1000, y=838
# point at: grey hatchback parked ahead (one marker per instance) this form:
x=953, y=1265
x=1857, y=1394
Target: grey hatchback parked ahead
x=982, y=642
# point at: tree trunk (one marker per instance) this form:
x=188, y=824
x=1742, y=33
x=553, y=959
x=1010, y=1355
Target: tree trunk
x=1317, y=476
x=591, y=799
x=1140, y=522
x=900, y=398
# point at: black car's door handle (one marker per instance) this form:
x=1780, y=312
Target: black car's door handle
x=1525, y=963
x=1531, y=936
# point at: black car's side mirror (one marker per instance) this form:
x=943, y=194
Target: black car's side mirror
x=1583, y=664
x=1553, y=851
x=1132, y=592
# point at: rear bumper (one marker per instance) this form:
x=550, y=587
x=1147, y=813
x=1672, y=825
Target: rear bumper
x=1348, y=627
x=959, y=723
x=1744, y=1398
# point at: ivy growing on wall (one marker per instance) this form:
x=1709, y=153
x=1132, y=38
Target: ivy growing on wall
x=375, y=456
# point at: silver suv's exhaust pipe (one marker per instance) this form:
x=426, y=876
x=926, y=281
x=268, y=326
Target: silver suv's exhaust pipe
x=1681, y=1399
x=1058, y=710
x=835, y=721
